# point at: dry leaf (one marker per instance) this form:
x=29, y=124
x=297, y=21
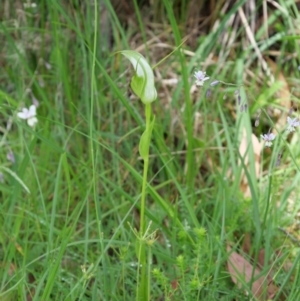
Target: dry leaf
x=246, y=247
x=283, y=93
x=261, y=257
x=244, y=152
x=11, y=270
x=174, y=284
x=241, y=272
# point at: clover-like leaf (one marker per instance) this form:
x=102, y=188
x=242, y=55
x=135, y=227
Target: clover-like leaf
x=142, y=83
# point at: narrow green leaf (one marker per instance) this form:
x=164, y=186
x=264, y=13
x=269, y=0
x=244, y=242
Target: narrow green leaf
x=15, y=176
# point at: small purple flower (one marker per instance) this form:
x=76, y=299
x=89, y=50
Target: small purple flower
x=292, y=124
x=268, y=138
x=200, y=78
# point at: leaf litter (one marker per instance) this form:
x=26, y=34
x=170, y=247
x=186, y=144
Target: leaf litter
x=242, y=273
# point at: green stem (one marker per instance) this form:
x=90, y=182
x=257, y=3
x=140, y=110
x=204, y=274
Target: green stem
x=142, y=286
x=230, y=84
x=149, y=273
x=142, y=269
x=145, y=172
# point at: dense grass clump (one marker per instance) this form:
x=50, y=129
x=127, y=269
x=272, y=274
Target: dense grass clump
x=149, y=150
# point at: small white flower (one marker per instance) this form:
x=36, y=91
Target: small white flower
x=29, y=115
x=268, y=138
x=200, y=78
x=292, y=124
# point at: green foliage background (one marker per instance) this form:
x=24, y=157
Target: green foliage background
x=71, y=237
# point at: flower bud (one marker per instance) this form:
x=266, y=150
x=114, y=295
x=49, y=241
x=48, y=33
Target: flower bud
x=239, y=99
x=214, y=83
x=237, y=92
x=208, y=93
